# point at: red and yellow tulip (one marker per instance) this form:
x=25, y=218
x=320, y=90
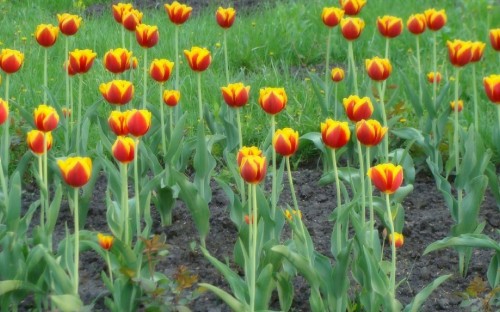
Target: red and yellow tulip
x=119, y=9
x=34, y=139
x=118, y=92
x=81, y=60
x=46, y=118
x=477, y=51
x=46, y=35
x=378, y=69
x=4, y=111
x=161, y=69
x=399, y=239
x=434, y=76
x=370, y=132
x=390, y=26
x=357, y=108
x=387, y=177
x=352, y=7
x=198, y=58
x=178, y=13
x=273, y=100
x=253, y=168
x=236, y=94
x=291, y=213
x=123, y=149
x=335, y=134
x=495, y=39
x=286, y=141
x=117, y=123
x=351, y=27
x=118, y=60
x=492, y=88
x=147, y=36
x=460, y=52
x=247, y=151
x=337, y=74
x=171, y=97
x=416, y=23
x=76, y=171
x=138, y=122
x=332, y=16
x=131, y=19
x=225, y=17
x=11, y=60
x=69, y=23
x=460, y=105
x=435, y=20
x=105, y=241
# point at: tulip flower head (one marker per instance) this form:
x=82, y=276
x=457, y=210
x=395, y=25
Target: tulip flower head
x=119, y=9
x=273, y=100
x=416, y=24
x=105, y=241
x=81, y=61
x=399, y=239
x=161, y=69
x=337, y=74
x=117, y=92
x=335, y=134
x=171, y=97
x=66, y=112
x=225, y=17
x=123, y=149
x=460, y=52
x=147, y=36
x=477, y=51
x=492, y=88
x=357, y=108
x=117, y=123
x=351, y=27
x=370, y=132
x=236, y=94
x=286, y=141
x=434, y=76
x=138, y=122
x=460, y=105
x=435, y=20
x=247, y=151
x=46, y=118
x=495, y=39
x=76, y=171
x=69, y=23
x=253, y=169
x=11, y=60
x=198, y=58
x=352, y=7
x=4, y=111
x=378, y=69
x=131, y=19
x=178, y=13
x=118, y=60
x=332, y=16
x=46, y=35
x=291, y=213
x=248, y=219
x=390, y=26
x=35, y=139
x=387, y=177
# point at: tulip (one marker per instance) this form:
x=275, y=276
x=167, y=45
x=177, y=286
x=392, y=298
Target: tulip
x=335, y=134
x=337, y=74
x=66, y=112
x=236, y=94
x=131, y=19
x=357, y=108
x=248, y=219
x=351, y=27
x=492, y=88
x=370, y=132
x=198, y=58
x=225, y=17
x=69, y=23
x=117, y=124
x=46, y=35
x=178, y=13
x=11, y=60
x=35, y=139
x=477, y=51
x=253, y=169
x=147, y=36
x=123, y=149
x=138, y=122
x=286, y=141
x=81, y=60
x=460, y=105
x=495, y=38
x=387, y=177
x=378, y=68
x=134, y=62
x=119, y=9
x=4, y=111
x=390, y=26
x=272, y=100
x=399, y=239
x=75, y=171
x=352, y=7
x=117, y=61
x=118, y=92
x=331, y=16
x=416, y=24
x=460, y=52
x=161, y=69
x=67, y=67
x=171, y=97
x=105, y=241
x=247, y=151
x=435, y=20
x=434, y=76
x=291, y=213
x=46, y=118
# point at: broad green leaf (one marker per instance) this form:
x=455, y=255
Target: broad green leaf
x=285, y=290
x=420, y=298
x=14, y=209
x=13, y=285
x=315, y=138
x=264, y=287
x=494, y=270
x=300, y=263
x=232, y=302
x=67, y=302
x=464, y=240
x=164, y=201
x=409, y=134
x=54, y=207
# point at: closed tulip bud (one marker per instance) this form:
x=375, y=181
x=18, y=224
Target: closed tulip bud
x=105, y=241
x=11, y=60
x=351, y=27
x=225, y=17
x=117, y=123
x=273, y=100
x=435, y=20
x=495, y=39
x=337, y=74
x=171, y=97
x=434, y=76
x=286, y=141
x=460, y=105
x=81, y=60
x=248, y=219
x=492, y=88
x=357, y=108
x=236, y=94
x=352, y=7
x=118, y=60
x=291, y=213
x=131, y=19
x=390, y=26
x=161, y=69
x=46, y=35
x=123, y=149
x=138, y=122
x=331, y=16
x=119, y=9
x=387, y=178
x=46, y=118
x=253, y=169
x=147, y=36
x=69, y=23
x=134, y=62
x=247, y=151
x=370, y=132
x=34, y=139
x=178, y=13
x=4, y=111
x=335, y=134
x=118, y=92
x=66, y=112
x=378, y=69
x=198, y=58
x=416, y=24
x=399, y=239
x=477, y=51
x=76, y=171
x=460, y=52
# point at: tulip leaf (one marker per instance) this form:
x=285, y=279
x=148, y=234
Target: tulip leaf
x=88, y=190
x=164, y=201
x=54, y=207
x=464, y=240
x=300, y=263
x=14, y=203
x=414, y=97
x=318, y=86
x=494, y=270
x=420, y=298
x=203, y=163
x=409, y=133
x=315, y=138
x=232, y=302
x=285, y=290
x=264, y=287
x=67, y=302
x=493, y=182
x=234, y=205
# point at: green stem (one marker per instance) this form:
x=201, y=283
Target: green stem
x=46, y=185
x=123, y=36
x=474, y=92
x=274, y=180
x=3, y=182
x=370, y=199
x=45, y=76
x=78, y=116
x=66, y=122
x=434, y=68
x=335, y=102
x=42, y=192
x=71, y=109
x=381, y=94
x=353, y=67
x=136, y=192
x=145, y=79
x=6, y=137
x=130, y=42
x=392, y=286
x=455, y=132
x=171, y=122
x=200, y=102
x=253, y=251
x=226, y=62
x=419, y=71
x=498, y=115
x=240, y=139
x=124, y=204
x=110, y=270
x=387, y=48
x=290, y=181
x=339, y=200
x=177, y=79
x=77, y=242
x=327, y=68
x=362, y=174
x=162, y=122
